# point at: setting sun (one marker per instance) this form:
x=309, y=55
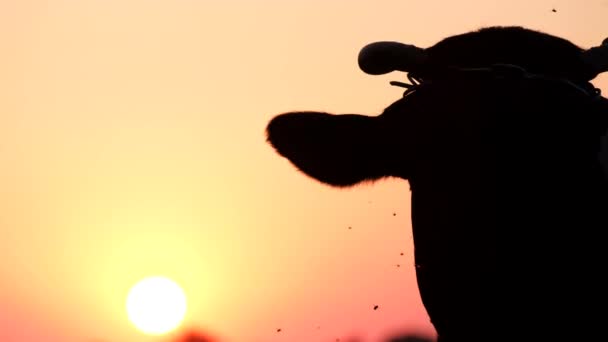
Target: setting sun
x=156, y=305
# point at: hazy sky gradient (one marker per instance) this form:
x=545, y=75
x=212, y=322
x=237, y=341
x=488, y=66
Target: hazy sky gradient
x=132, y=144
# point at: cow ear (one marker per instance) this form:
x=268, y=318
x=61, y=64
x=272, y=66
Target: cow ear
x=339, y=150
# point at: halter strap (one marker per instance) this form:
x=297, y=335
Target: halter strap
x=498, y=71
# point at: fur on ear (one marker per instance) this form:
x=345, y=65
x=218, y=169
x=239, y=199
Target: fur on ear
x=339, y=150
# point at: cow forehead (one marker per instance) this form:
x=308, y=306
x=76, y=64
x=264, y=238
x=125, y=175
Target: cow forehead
x=503, y=41
x=538, y=52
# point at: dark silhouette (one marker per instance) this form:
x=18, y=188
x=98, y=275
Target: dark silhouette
x=410, y=338
x=198, y=336
x=498, y=136
x=195, y=336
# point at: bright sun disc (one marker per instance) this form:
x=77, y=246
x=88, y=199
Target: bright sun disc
x=156, y=305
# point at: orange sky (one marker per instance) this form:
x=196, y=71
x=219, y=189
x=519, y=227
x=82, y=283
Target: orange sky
x=132, y=144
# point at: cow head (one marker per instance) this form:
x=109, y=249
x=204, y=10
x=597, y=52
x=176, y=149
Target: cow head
x=494, y=104
x=343, y=150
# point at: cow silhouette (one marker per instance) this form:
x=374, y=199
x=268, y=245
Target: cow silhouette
x=499, y=134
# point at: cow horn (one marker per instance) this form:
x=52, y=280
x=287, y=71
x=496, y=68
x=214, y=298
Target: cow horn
x=597, y=57
x=383, y=57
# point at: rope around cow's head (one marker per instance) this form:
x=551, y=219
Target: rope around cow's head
x=497, y=71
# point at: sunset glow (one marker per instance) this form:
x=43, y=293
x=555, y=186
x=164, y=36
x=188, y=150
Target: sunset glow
x=132, y=143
